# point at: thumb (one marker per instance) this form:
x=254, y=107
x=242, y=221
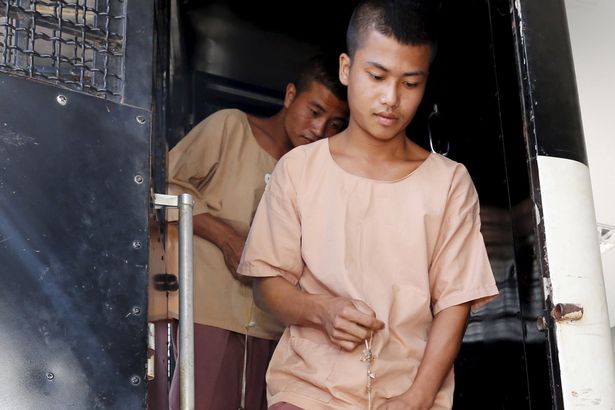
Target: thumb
x=365, y=309
x=347, y=345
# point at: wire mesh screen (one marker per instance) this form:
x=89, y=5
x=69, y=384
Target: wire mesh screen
x=77, y=44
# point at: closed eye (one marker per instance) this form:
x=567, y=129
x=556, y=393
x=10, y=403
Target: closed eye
x=375, y=76
x=338, y=125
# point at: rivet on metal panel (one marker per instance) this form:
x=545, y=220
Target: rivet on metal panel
x=50, y=376
x=136, y=310
x=567, y=311
x=135, y=380
x=541, y=323
x=61, y=99
x=141, y=119
x=136, y=244
x=139, y=179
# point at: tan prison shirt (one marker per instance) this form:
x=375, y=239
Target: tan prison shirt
x=407, y=248
x=220, y=163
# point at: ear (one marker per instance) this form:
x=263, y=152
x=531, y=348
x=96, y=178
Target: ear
x=291, y=93
x=344, y=68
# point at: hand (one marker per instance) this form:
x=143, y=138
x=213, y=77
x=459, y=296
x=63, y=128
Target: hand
x=442, y=346
x=408, y=401
x=232, y=248
x=347, y=322
x=221, y=234
x=400, y=404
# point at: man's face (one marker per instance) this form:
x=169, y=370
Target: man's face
x=386, y=82
x=313, y=114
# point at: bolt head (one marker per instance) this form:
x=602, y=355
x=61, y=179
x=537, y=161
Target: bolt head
x=541, y=323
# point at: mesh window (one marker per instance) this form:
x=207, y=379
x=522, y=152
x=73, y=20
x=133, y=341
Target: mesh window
x=78, y=44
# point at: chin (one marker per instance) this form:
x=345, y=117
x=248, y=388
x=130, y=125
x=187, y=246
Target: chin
x=383, y=135
x=297, y=142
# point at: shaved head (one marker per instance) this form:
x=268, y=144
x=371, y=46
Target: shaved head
x=410, y=22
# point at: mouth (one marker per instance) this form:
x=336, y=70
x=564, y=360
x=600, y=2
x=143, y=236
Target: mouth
x=386, y=118
x=308, y=139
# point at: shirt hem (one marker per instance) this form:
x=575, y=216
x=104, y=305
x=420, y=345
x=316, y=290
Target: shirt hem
x=264, y=271
x=303, y=402
x=238, y=329
x=478, y=297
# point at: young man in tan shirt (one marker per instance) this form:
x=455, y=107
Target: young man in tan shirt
x=225, y=163
x=367, y=245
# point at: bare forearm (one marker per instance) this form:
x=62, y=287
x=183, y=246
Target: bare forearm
x=442, y=347
x=212, y=229
x=224, y=237
x=287, y=303
x=346, y=322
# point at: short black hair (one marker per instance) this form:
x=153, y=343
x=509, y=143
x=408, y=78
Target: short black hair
x=412, y=22
x=323, y=68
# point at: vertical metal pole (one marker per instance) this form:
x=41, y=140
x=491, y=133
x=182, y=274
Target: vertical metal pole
x=186, y=320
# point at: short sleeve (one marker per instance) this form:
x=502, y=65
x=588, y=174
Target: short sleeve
x=460, y=271
x=273, y=247
x=194, y=160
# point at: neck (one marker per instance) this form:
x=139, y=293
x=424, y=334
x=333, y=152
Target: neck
x=271, y=134
x=275, y=131
x=368, y=146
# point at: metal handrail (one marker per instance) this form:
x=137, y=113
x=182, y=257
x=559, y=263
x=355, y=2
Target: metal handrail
x=185, y=205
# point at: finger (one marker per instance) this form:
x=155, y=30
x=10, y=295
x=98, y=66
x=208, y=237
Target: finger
x=350, y=328
x=345, y=336
x=237, y=255
x=374, y=324
x=388, y=405
x=234, y=260
x=364, y=320
x=232, y=267
x=345, y=345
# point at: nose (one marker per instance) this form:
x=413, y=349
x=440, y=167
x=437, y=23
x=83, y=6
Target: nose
x=319, y=127
x=390, y=95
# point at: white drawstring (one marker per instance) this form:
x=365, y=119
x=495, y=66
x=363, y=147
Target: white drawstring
x=244, y=376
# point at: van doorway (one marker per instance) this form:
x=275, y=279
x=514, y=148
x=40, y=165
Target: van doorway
x=223, y=54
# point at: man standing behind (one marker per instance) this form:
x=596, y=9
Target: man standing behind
x=365, y=244
x=225, y=163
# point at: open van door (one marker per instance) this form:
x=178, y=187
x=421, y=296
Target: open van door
x=75, y=156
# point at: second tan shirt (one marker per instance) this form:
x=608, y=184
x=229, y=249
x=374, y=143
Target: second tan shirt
x=222, y=166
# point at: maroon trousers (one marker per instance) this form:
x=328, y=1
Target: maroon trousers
x=218, y=369
x=158, y=388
